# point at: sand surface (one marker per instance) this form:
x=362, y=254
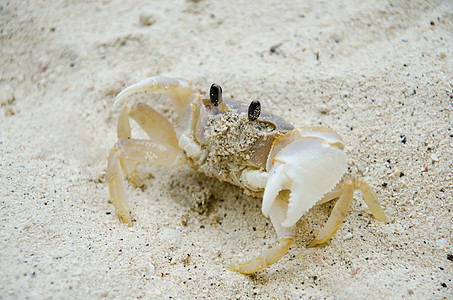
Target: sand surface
x=377, y=72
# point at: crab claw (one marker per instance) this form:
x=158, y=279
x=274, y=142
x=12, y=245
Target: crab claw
x=308, y=162
x=303, y=166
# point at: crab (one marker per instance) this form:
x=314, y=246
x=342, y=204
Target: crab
x=291, y=168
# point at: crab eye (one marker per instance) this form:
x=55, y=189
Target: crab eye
x=215, y=94
x=254, y=110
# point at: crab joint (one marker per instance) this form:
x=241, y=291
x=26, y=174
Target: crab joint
x=254, y=110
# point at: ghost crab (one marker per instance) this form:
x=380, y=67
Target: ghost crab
x=291, y=168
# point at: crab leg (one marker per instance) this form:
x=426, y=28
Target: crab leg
x=266, y=259
x=137, y=151
x=337, y=192
x=181, y=92
x=157, y=127
x=127, y=153
x=370, y=197
x=345, y=190
x=337, y=215
x=274, y=254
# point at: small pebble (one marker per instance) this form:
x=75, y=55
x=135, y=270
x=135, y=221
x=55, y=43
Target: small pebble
x=274, y=49
x=147, y=19
x=361, y=167
x=44, y=62
x=434, y=157
x=150, y=269
x=348, y=236
x=324, y=110
x=441, y=243
x=396, y=173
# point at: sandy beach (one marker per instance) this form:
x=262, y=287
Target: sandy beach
x=380, y=73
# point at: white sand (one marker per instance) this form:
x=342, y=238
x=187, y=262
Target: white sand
x=383, y=79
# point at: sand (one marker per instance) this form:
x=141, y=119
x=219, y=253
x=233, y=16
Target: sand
x=377, y=72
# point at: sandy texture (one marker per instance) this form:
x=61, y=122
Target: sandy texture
x=378, y=72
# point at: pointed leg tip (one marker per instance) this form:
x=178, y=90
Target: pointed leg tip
x=381, y=217
x=234, y=268
x=248, y=267
x=126, y=218
x=384, y=218
x=244, y=268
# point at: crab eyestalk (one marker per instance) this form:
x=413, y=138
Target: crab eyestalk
x=215, y=94
x=254, y=110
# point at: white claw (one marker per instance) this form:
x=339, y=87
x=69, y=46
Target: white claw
x=276, y=182
x=309, y=167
